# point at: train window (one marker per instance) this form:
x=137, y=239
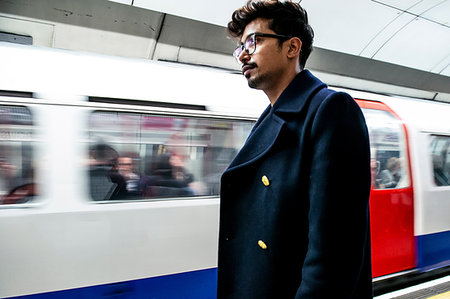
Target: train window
x=440, y=156
x=388, y=150
x=137, y=156
x=16, y=155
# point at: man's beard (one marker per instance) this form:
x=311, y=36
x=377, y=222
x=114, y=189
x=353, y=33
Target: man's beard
x=256, y=82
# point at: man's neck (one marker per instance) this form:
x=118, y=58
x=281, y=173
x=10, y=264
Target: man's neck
x=274, y=93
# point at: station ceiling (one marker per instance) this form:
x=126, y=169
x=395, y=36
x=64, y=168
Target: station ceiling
x=411, y=33
x=388, y=46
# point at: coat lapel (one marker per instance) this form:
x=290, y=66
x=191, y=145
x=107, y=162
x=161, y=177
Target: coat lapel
x=260, y=140
x=268, y=127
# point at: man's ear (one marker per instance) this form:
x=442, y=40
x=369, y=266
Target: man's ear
x=295, y=46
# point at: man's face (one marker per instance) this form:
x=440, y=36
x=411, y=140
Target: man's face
x=264, y=68
x=125, y=164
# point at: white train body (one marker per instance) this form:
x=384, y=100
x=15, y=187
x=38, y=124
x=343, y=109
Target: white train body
x=61, y=242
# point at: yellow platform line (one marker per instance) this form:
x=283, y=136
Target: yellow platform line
x=445, y=295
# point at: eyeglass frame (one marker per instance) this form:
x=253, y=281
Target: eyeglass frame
x=243, y=46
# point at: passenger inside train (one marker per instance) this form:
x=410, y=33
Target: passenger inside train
x=390, y=177
x=137, y=184
x=171, y=177
x=105, y=181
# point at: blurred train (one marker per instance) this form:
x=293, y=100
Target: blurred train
x=110, y=167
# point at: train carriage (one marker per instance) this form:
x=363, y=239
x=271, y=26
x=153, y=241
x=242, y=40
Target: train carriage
x=110, y=174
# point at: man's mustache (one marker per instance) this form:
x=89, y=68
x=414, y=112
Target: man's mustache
x=247, y=66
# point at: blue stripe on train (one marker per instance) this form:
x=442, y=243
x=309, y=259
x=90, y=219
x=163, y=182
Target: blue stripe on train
x=433, y=250
x=196, y=285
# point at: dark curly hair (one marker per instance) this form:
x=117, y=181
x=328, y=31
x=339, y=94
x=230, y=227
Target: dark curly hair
x=285, y=17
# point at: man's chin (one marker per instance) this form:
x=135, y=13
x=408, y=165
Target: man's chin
x=252, y=83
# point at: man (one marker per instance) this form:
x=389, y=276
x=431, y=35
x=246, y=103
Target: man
x=294, y=218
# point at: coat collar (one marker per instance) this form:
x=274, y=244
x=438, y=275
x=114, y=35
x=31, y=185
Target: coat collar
x=270, y=123
x=294, y=97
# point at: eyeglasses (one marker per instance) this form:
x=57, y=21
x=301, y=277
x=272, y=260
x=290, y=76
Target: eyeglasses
x=249, y=45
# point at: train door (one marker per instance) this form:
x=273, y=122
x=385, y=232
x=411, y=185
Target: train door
x=391, y=199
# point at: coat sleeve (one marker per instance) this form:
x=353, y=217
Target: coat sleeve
x=338, y=254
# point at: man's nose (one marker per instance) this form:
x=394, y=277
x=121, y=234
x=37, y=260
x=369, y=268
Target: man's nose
x=244, y=56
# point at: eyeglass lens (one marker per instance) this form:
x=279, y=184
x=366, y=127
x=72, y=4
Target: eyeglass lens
x=249, y=46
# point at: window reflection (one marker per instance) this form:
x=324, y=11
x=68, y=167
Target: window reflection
x=16, y=155
x=440, y=156
x=136, y=156
x=388, y=150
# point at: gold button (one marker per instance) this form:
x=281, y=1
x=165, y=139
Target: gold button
x=262, y=244
x=265, y=180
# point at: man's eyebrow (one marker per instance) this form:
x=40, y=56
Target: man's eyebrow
x=242, y=42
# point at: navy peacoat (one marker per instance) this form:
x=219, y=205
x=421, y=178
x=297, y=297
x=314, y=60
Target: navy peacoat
x=294, y=210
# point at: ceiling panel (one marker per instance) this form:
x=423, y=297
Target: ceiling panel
x=435, y=10
x=382, y=37
x=421, y=44
x=442, y=66
x=446, y=71
x=400, y=4
x=413, y=6
x=347, y=26
x=439, y=13
x=214, y=12
x=426, y=5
